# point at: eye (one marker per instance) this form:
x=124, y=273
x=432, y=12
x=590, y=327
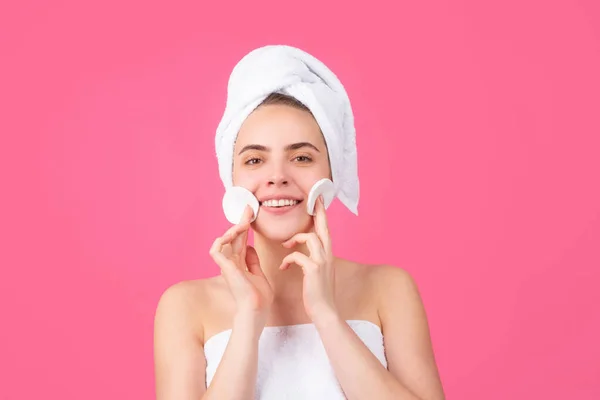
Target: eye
x=252, y=161
x=303, y=159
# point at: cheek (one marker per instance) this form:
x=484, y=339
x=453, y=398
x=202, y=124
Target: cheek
x=307, y=180
x=247, y=179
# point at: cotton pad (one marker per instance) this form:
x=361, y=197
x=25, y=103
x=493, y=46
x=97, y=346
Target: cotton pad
x=323, y=187
x=234, y=202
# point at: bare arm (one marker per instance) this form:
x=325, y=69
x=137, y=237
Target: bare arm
x=408, y=345
x=412, y=373
x=180, y=364
x=235, y=378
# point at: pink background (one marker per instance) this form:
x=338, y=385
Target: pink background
x=478, y=136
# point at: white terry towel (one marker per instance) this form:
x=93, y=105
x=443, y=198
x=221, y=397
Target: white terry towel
x=291, y=71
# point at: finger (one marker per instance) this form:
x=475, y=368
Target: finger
x=248, y=214
x=216, y=246
x=302, y=237
x=321, y=226
x=221, y=248
x=217, y=255
x=220, y=244
x=239, y=248
x=252, y=262
x=242, y=239
x=299, y=259
x=226, y=250
x=232, y=274
x=240, y=242
x=234, y=231
x=312, y=242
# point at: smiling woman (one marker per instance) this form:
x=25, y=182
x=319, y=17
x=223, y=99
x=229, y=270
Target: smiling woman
x=280, y=153
x=287, y=318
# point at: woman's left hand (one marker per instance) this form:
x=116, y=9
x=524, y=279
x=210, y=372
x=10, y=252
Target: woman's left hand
x=318, y=289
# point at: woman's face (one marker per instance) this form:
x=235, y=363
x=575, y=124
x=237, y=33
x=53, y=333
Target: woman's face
x=280, y=154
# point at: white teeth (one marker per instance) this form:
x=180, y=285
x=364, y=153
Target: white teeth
x=279, y=203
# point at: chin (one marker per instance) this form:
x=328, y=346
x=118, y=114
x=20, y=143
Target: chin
x=279, y=228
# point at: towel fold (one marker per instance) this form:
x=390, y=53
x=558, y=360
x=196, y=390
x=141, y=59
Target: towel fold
x=294, y=72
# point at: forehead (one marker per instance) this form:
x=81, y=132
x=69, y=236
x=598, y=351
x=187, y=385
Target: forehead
x=279, y=125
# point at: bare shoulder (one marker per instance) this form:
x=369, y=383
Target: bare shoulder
x=374, y=289
x=183, y=304
x=389, y=277
x=179, y=360
x=392, y=288
x=409, y=349
x=382, y=278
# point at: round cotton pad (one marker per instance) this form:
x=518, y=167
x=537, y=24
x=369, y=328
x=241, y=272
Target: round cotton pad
x=323, y=187
x=234, y=202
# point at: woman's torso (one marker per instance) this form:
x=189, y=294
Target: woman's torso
x=291, y=355
x=292, y=361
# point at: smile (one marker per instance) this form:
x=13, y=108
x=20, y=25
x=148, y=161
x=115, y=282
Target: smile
x=279, y=203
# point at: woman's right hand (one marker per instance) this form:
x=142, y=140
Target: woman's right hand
x=241, y=269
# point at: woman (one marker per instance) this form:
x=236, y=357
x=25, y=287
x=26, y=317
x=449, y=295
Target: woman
x=286, y=318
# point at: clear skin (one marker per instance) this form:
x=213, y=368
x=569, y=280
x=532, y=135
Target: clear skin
x=280, y=151
x=278, y=170
x=291, y=263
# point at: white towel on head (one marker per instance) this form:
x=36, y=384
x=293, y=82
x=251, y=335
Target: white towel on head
x=291, y=71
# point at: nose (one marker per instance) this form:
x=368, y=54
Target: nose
x=277, y=173
x=277, y=180
x=277, y=176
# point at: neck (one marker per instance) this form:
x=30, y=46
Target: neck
x=287, y=284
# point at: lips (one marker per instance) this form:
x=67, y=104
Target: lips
x=280, y=202
x=278, y=210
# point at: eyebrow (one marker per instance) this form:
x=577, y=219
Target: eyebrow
x=289, y=147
